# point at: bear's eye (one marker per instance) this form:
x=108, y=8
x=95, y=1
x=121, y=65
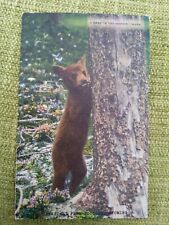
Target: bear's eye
x=73, y=76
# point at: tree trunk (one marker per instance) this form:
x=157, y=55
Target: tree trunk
x=117, y=64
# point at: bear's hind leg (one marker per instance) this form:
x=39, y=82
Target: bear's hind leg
x=59, y=180
x=60, y=168
x=78, y=173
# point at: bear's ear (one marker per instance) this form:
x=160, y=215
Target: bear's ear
x=59, y=70
x=82, y=61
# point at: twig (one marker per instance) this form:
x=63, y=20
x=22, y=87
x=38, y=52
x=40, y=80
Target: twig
x=21, y=135
x=33, y=119
x=33, y=153
x=20, y=199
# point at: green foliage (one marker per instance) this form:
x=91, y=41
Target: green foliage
x=47, y=34
x=58, y=199
x=86, y=215
x=34, y=212
x=17, y=195
x=88, y=147
x=35, y=205
x=43, y=136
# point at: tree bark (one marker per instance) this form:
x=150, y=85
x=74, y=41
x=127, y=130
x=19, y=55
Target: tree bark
x=117, y=66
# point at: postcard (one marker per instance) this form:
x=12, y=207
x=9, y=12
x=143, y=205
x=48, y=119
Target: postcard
x=82, y=134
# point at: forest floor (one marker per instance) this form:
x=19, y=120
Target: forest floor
x=41, y=105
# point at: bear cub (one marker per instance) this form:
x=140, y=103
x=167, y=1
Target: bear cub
x=71, y=135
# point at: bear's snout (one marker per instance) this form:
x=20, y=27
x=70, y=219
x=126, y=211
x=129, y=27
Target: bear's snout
x=84, y=83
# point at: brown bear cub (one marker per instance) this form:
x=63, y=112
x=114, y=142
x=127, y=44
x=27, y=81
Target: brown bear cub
x=71, y=136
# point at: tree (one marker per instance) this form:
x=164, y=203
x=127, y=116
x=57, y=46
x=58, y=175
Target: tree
x=117, y=65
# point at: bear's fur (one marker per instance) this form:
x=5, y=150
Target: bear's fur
x=71, y=136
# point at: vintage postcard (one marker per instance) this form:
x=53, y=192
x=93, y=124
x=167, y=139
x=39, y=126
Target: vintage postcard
x=82, y=134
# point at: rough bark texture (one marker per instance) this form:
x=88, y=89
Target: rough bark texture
x=118, y=72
